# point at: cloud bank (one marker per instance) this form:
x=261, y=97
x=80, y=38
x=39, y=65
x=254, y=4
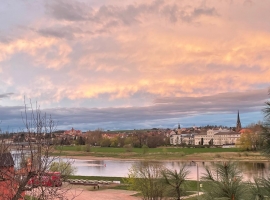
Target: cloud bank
x=165, y=112
x=135, y=57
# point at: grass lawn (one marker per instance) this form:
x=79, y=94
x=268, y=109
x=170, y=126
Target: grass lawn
x=162, y=150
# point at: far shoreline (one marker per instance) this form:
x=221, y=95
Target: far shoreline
x=183, y=159
x=162, y=154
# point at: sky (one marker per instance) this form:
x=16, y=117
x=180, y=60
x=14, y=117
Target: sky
x=134, y=64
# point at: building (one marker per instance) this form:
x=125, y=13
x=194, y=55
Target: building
x=175, y=138
x=180, y=137
x=217, y=137
x=220, y=136
x=73, y=132
x=7, y=177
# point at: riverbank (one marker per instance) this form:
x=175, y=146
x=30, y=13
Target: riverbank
x=179, y=155
x=199, y=157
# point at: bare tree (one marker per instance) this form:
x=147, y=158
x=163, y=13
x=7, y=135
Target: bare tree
x=139, y=138
x=147, y=178
x=94, y=138
x=24, y=167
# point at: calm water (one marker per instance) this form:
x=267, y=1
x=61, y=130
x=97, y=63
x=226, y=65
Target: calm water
x=120, y=168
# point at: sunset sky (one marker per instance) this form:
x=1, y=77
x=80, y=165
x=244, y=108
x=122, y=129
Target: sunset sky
x=132, y=64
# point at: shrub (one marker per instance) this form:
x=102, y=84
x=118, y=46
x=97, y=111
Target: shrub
x=164, y=150
x=65, y=168
x=181, y=153
x=217, y=155
x=145, y=149
x=105, y=142
x=87, y=148
x=78, y=148
x=128, y=147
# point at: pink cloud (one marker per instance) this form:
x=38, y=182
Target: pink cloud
x=162, y=48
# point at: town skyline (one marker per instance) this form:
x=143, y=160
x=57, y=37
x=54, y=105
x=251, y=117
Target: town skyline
x=134, y=65
x=173, y=127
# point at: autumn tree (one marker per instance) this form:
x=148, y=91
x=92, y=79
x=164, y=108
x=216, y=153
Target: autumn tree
x=31, y=160
x=94, y=138
x=250, y=139
x=105, y=142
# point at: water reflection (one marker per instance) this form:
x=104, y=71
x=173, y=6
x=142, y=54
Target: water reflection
x=251, y=169
x=102, y=168
x=120, y=168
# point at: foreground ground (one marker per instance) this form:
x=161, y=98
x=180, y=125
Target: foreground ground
x=108, y=194
x=111, y=194
x=81, y=192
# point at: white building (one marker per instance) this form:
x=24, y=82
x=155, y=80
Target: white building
x=175, y=139
x=180, y=137
x=217, y=137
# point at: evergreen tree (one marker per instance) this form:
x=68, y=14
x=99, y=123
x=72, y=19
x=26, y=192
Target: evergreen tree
x=176, y=181
x=224, y=181
x=266, y=130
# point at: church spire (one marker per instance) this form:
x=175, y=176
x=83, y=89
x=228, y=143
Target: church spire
x=179, y=129
x=238, y=123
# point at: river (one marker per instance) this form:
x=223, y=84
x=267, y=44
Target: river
x=120, y=168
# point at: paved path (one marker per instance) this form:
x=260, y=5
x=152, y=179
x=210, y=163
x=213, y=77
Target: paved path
x=107, y=194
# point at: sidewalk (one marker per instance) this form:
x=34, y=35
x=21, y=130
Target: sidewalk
x=193, y=195
x=108, y=194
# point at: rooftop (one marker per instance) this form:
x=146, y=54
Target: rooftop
x=6, y=160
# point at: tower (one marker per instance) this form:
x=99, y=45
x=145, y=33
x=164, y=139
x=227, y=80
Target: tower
x=179, y=129
x=238, y=123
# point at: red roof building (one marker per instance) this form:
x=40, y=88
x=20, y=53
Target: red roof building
x=73, y=132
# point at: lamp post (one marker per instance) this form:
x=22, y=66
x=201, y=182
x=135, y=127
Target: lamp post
x=61, y=148
x=198, y=179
